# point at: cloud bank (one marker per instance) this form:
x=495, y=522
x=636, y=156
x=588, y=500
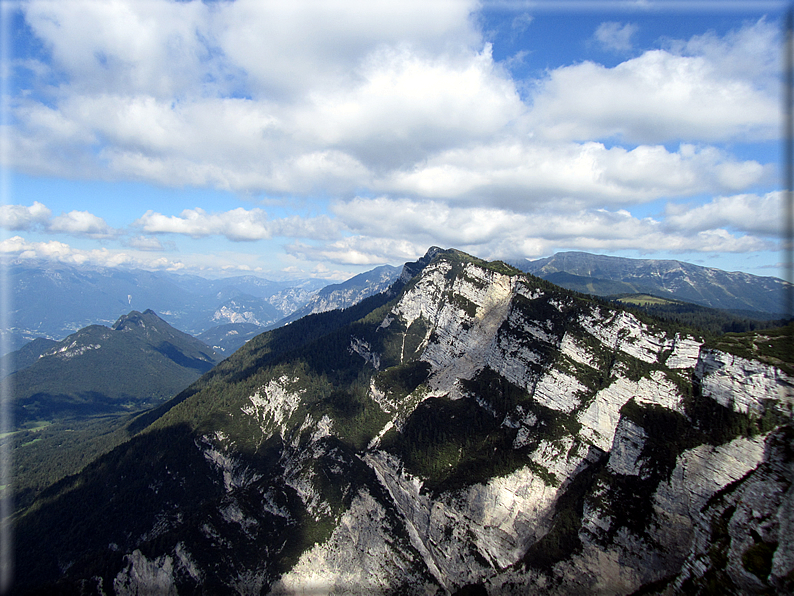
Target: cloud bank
x=398, y=119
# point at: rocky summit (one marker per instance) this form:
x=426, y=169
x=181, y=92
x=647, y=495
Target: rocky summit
x=475, y=430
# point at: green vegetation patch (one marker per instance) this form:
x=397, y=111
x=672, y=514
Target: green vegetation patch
x=414, y=339
x=46, y=453
x=689, y=318
x=563, y=539
x=452, y=443
x=395, y=344
x=644, y=300
x=668, y=435
x=503, y=268
x=463, y=303
x=357, y=419
x=399, y=381
x=771, y=346
x=455, y=443
x=720, y=424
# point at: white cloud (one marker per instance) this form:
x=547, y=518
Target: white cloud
x=408, y=106
x=59, y=251
x=324, y=41
x=751, y=53
x=400, y=100
x=81, y=223
x=19, y=217
x=388, y=230
x=236, y=225
x=403, y=98
x=147, y=46
x=360, y=250
x=747, y=213
x=223, y=263
x=523, y=176
x=521, y=23
x=39, y=217
x=705, y=89
x=615, y=36
x=164, y=49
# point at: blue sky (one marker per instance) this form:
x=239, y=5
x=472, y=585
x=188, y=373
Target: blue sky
x=321, y=139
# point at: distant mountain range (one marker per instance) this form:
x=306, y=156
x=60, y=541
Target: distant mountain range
x=53, y=300
x=473, y=430
x=230, y=311
x=348, y=293
x=706, y=286
x=137, y=363
x=73, y=398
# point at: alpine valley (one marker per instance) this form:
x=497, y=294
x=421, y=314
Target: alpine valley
x=471, y=430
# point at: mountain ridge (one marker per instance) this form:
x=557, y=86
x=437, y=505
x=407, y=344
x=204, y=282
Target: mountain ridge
x=149, y=360
x=474, y=429
x=605, y=275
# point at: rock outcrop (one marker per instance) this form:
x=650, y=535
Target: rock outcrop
x=485, y=430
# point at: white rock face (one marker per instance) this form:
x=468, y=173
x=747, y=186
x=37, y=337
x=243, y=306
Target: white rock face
x=685, y=352
x=756, y=510
x=579, y=365
x=221, y=456
x=702, y=471
x=454, y=533
x=738, y=383
x=142, y=577
x=364, y=350
x=626, y=448
x=71, y=350
x=570, y=347
x=226, y=313
x=600, y=420
x=698, y=475
x=477, y=533
x=360, y=557
x=622, y=331
x=273, y=404
x=559, y=391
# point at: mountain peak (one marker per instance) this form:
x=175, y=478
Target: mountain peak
x=482, y=431
x=607, y=275
x=413, y=268
x=137, y=319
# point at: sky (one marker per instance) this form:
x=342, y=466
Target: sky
x=325, y=138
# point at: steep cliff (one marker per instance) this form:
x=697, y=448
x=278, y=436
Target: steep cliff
x=483, y=429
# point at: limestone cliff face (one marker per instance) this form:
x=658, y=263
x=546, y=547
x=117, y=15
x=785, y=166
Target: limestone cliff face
x=485, y=428
x=479, y=319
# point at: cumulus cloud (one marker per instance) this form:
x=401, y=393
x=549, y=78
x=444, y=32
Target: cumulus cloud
x=64, y=253
x=39, y=216
x=747, y=213
x=386, y=97
x=400, y=101
x=408, y=226
x=523, y=176
x=149, y=243
x=81, y=223
x=20, y=248
x=751, y=53
x=20, y=217
x=164, y=49
x=615, y=36
x=360, y=250
x=655, y=98
x=237, y=225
